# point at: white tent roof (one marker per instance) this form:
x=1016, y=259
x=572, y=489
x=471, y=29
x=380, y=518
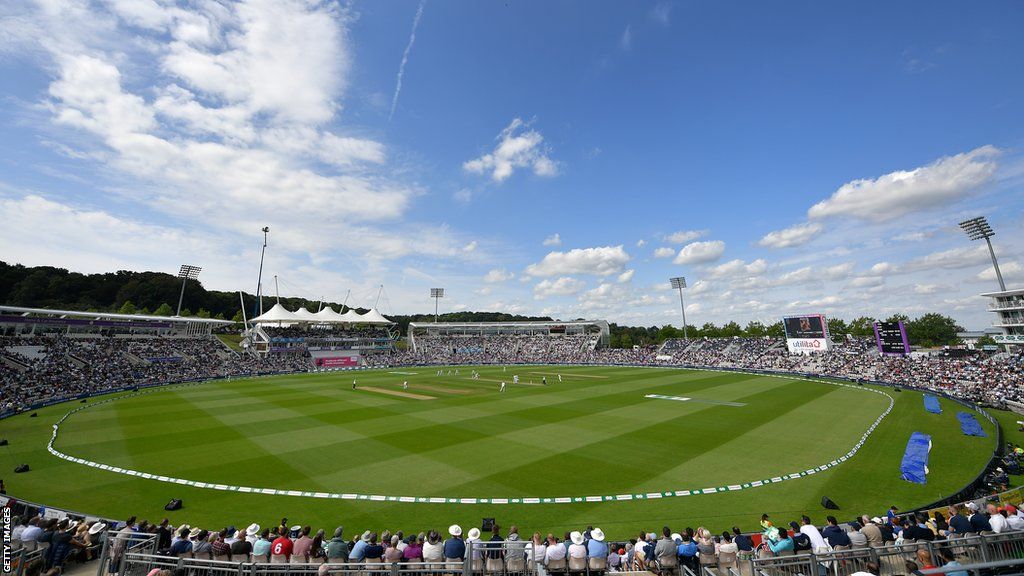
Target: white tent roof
x=329, y=316
x=277, y=313
x=374, y=317
x=305, y=315
x=351, y=317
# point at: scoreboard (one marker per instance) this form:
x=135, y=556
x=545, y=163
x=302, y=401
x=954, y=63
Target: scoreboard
x=807, y=334
x=891, y=338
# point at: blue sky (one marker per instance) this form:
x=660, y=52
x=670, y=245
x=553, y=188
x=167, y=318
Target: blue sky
x=563, y=158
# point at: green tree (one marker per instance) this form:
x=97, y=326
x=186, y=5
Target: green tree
x=862, y=327
x=837, y=328
x=127, y=308
x=164, y=310
x=732, y=329
x=898, y=318
x=186, y=313
x=933, y=330
x=709, y=330
x=203, y=313
x=776, y=330
x=755, y=329
x=237, y=317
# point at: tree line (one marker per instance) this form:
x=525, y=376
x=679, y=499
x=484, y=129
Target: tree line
x=157, y=293
x=928, y=330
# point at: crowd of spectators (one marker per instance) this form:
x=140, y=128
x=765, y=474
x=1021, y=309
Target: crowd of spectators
x=37, y=369
x=980, y=378
x=496, y=550
x=45, y=368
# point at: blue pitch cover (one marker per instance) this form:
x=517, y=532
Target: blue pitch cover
x=969, y=424
x=915, y=460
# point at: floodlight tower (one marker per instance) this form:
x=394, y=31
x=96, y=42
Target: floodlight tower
x=186, y=273
x=977, y=229
x=259, y=281
x=436, y=294
x=679, y=283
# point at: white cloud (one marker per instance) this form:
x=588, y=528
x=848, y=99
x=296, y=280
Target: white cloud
x=464, y=195
x=664, y=252
x=684, y=236
x=953, y=259
x=883, y=268
x=930, y=288
x=1011, y=270
x=793, y=236
x=912, y=236
x=738, y=269
x=470, y=247
x=564, y=286
x=867, y=281
x=601, y=261
x=553, y=240
x=700, y=252
x=838, y=271
x=899, y=193
x=798, y=276
x=222, y=109
x=498, y=275
x=518, y=147
x=626, y=276
x=641, y=243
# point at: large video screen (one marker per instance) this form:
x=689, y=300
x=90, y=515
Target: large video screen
x=812, y=326
x=891, y=338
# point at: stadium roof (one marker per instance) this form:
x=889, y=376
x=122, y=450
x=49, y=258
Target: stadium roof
x=22, y=311
x=279, y=313
x=537, y=323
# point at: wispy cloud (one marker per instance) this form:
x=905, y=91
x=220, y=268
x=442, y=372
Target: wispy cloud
x=626, y=41
x=662, y=13
x=405, y=59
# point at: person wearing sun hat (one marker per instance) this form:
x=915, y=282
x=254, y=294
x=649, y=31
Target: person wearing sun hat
x=359, y=548
x=596, y=546
x=476, y=547
x=180, y=544
x=252, y=533
x=455, y=547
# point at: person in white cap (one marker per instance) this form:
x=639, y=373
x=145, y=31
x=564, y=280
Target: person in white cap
x=454, y=547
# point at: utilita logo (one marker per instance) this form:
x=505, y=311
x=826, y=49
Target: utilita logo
x=807, y=344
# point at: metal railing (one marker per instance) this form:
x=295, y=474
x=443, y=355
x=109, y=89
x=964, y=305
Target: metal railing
x=125, y=556
x=892, y=560
x=22, y=558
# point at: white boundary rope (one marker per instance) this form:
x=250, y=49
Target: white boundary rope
x=450, y=500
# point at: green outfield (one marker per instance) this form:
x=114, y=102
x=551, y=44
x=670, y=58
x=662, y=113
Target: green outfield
x=452, y=436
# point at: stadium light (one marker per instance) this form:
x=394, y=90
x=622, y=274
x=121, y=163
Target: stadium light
x=436, y=294
x=259, y=281
x=186, y=273
x=978, y=229
x=679, y=283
